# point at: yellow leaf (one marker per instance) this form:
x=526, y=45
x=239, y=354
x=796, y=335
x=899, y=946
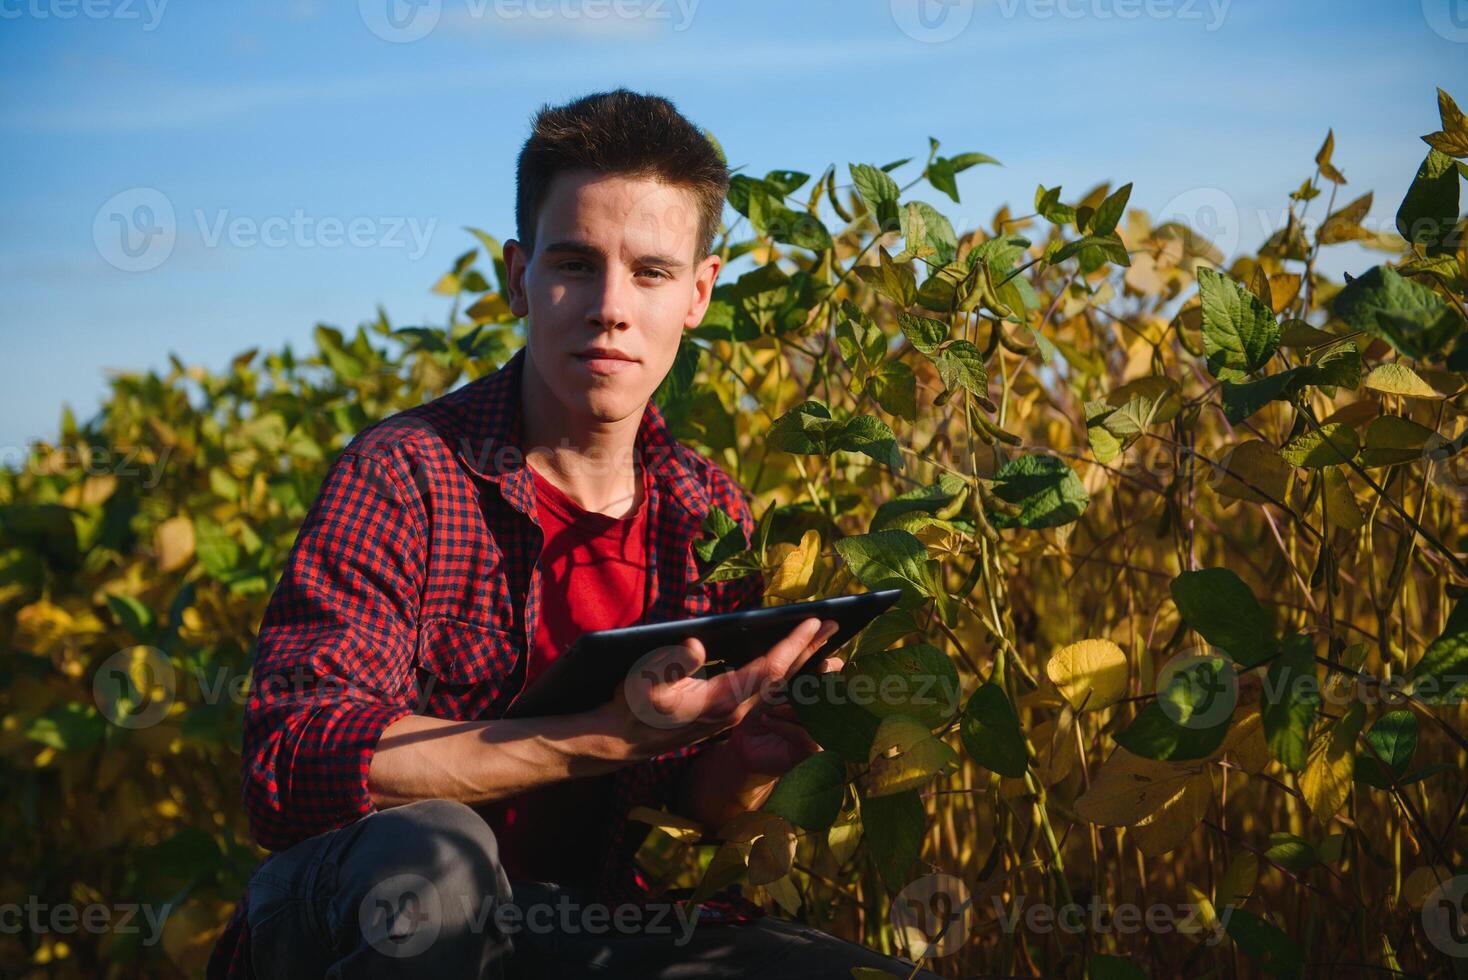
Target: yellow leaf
x=1341, y=508
x=792, y=578
x=41, y=628
x=173, y=542
x=1091, y=674
x=1176, y=820
x=1422, y=882
x=726, y=867
x=843, y=837
x=745, y=827
x=1252, y=470
x=1326, y=781
x=772, y=853
x=1238, y=881
x=784, y=892
x=1128, y=789
x=904, y=756
x=1398, y=379
x=1207, y=917
x=679, y=828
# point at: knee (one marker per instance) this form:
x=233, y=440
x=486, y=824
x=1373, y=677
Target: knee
x=439, y=846
x=439, y=839
x=423, y=880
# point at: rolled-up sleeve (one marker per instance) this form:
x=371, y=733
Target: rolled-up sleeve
x=333, y=662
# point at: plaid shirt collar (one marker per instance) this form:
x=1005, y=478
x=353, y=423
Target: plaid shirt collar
x=488, y=444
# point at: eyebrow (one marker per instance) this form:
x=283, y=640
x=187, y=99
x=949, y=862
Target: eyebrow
x=577, y=247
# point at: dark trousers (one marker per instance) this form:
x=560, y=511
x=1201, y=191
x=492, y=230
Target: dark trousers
x=418, y=891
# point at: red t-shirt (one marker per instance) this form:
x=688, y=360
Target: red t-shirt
x=593, y=575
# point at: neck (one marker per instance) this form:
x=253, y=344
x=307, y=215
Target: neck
x=588, y=459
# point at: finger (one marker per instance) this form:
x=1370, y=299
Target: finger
x=832, y=663
x=827, y=630
x=749, y=679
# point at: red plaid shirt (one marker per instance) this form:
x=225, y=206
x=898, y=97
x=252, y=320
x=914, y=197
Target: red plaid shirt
x=413, y=588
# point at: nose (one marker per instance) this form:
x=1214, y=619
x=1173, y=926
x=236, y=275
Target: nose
x=609, y=302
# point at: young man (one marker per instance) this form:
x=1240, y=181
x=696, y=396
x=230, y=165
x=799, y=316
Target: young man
x=453, y=551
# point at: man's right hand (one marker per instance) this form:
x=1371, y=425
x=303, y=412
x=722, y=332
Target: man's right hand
x=661, y=706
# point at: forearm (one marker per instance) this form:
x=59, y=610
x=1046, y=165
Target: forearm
x=477, y=762
x=715, y=789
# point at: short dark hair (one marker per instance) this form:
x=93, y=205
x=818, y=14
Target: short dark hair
x=626, y=133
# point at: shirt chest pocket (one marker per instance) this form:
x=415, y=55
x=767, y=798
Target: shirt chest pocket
x=463, y=670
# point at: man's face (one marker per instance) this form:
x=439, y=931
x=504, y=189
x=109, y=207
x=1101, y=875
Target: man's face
x=613, y=268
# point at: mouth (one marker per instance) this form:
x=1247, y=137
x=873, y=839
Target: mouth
x=605, y=360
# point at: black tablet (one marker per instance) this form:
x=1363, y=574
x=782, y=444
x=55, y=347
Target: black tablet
x=586, y=675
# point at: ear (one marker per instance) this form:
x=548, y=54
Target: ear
x=516, y=259
x=704, y=275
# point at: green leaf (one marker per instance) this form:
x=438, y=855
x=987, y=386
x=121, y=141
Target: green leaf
x=1241, y=401
x=132, y=616
x=991, y=732
x=1240, y=333
x=893, y=827
x=1291, y=701
x=809, y=795
x=724, y=535
x=1394, y=739
x=918, y=681
x=1333, y=444
x=1441, y=675
x=927, y=232
x=1104, y=221
x=894, y=387
x=71, y=727
x=888, y=560
x=1291, y=852
x=925, y=500
x=1430, y=209
x=1263, y=942
x=1109, y=246
x=1392, y=439
x=1049, y=206
x=923, y=332
x=217, y=551
x=1190, y=696
x=1411, y=317
x=1219, y=606
x=831, y=717
x=870, y=436
x=879, y=192
x=961, y=365
x=1047, y=491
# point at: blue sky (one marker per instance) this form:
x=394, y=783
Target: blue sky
x=361, y=149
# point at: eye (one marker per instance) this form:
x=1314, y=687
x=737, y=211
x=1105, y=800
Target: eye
x=566, y=265
x=657, y=273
